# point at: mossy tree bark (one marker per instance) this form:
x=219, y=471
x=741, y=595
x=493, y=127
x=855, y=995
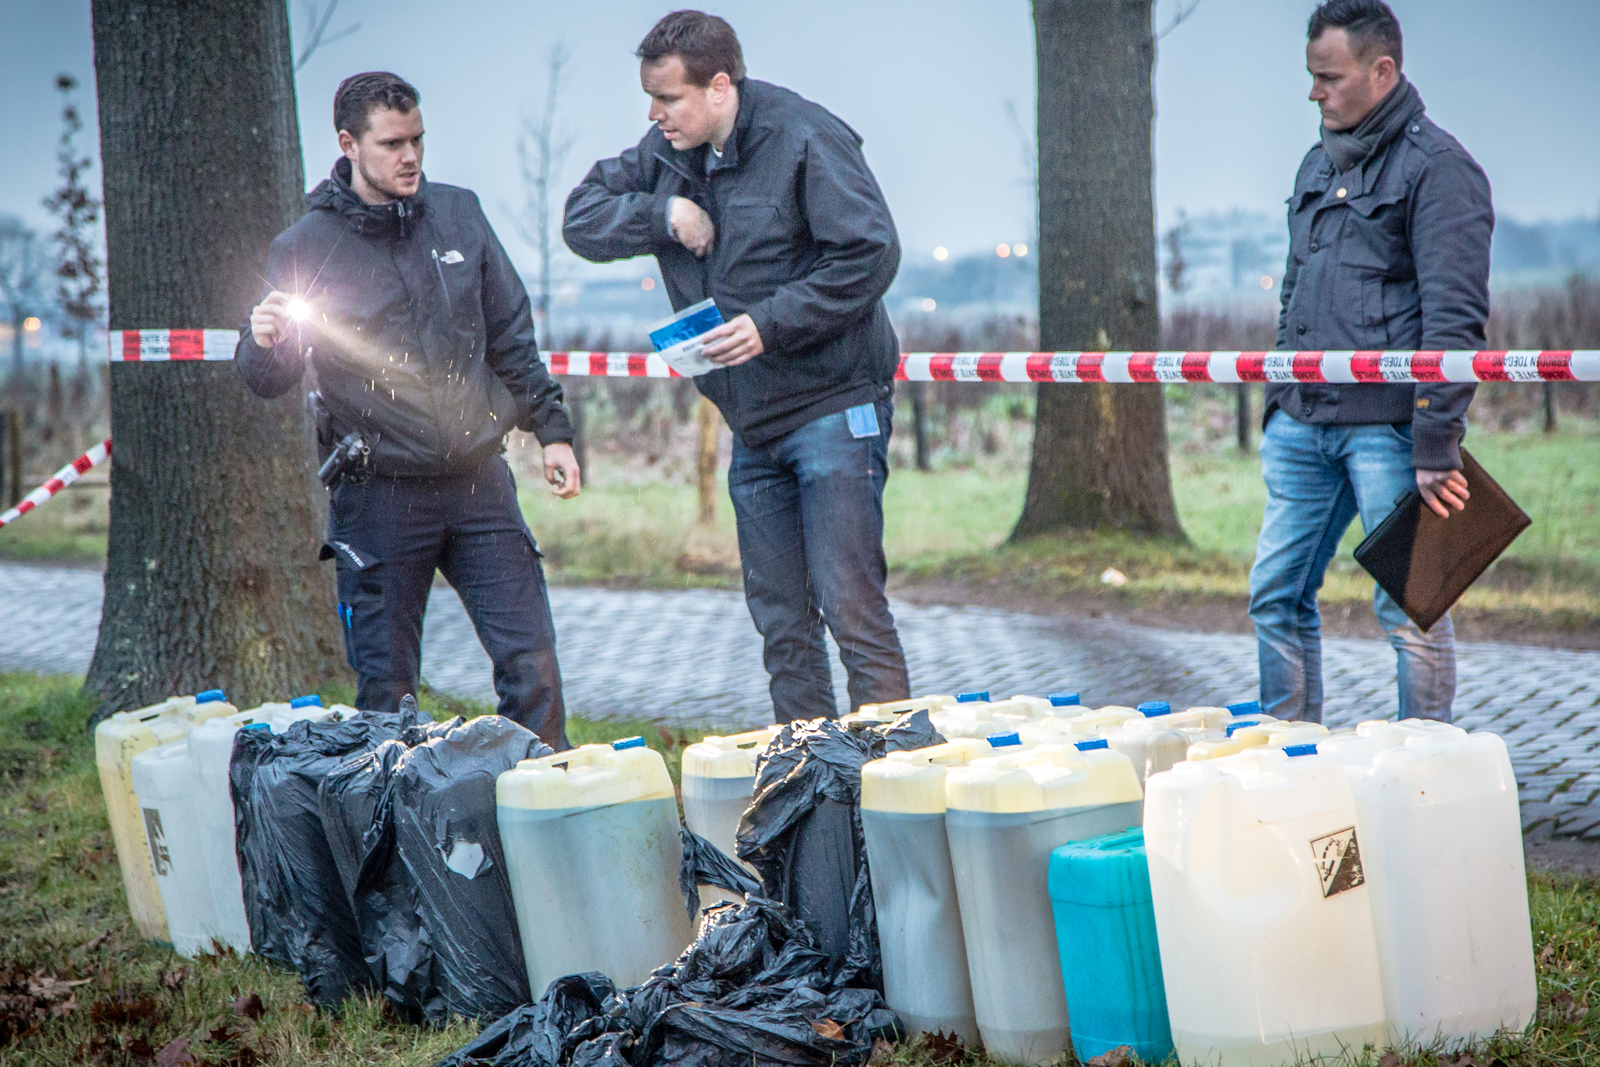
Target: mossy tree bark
x=212, y=578
x=1099, y=451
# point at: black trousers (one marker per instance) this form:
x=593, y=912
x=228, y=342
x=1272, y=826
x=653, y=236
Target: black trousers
x=388, y=536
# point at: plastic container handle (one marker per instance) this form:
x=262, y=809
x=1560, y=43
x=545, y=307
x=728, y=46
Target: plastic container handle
x=582, y=756
x=744, y=740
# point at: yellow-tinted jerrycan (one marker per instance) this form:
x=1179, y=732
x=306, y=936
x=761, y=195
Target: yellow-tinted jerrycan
x=117, y=739
x=1250, y=733
x=1004, y=816
x=719, y=777
x=932, y=704
x=925, y=977
x=592, y=851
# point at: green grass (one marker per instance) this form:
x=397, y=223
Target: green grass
x=64, y=919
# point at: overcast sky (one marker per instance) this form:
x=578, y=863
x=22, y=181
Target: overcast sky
x=926, y=83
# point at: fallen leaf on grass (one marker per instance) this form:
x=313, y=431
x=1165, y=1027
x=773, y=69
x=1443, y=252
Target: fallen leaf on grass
x=1121, y=1056
x=1547, y=955
x=20, y=1016
x=829, y=1029
x=250, y=1007
x=90, y=946
x=1569, y=1010
x=48, y=987
x=65, y=1008
x=173, y=978
x=140, y=1048
x=224, y=1034
x=305, y=1009
x=944, y=1048
x=1389, y=1059
x=1466, y=1059
x=882, y=1052
x=121, y=1010
x=175, y=1054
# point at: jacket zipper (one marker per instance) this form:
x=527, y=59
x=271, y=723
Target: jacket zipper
x=437, y=266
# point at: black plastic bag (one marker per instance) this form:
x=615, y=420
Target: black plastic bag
x=802, y=831
x=448, y=838
x=752, y=991
x=356, y=801
x=294, y=899
x=706, y=864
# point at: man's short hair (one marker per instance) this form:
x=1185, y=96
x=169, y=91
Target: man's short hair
x=1370, y=25
x=359, y=95
x=706, y=44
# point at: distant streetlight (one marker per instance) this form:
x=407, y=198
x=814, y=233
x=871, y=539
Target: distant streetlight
x=1019, y=249
x=32, y=324
x=1266, y=281
x=929, y=303
x=1002, y=251
x=941, y=253
x=647, y=284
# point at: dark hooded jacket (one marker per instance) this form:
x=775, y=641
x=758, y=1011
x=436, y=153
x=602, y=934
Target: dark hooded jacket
x=804, y=244
x=1392, y=253
x=420, y=331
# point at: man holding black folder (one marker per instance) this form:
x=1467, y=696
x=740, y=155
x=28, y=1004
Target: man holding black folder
x=1389, y=229
x=761, y=201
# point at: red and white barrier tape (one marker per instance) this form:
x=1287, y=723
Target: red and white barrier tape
x=63, y=478
x=1349, y=367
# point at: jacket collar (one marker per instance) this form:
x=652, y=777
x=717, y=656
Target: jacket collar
x=394, y=219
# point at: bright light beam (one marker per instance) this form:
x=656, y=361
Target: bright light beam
x=298, y=309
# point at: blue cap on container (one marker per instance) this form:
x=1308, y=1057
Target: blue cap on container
x=1064, y=700
x=981, y=695
x=1002, y=740
x=257, y=726
x=208, y=696
x=628, y=742
x=310, y=700
x=1299, y=750
x=1245, y=707
x=1099, y=742
x=1151, y=708
x=1232, y=726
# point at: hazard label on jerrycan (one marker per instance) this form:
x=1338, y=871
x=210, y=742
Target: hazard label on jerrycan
x=1338, y=858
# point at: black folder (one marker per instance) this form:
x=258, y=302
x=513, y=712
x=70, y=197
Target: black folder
x=1426, y=562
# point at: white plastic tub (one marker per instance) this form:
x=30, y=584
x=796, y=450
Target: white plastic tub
x=1263, y=912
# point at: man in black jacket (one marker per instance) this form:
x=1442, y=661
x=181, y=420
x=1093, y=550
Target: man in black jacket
x=421, y=336
x=1389, y=231
x=749, y=195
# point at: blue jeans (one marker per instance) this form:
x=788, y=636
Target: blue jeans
x=1319, y=477
x=810, y=512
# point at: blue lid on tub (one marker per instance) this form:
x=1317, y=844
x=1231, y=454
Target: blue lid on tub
x=627, y=742
x=1232, y=726
x=1245, y=707
x=1003, y=740
x=1087, y=746
x=1300, y=750
x=976, y=697
x=1151, y=708
x=1065, y=700
x=310, y=700
x=209, y=696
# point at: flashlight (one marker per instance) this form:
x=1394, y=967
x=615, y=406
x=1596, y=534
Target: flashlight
x=298, y=309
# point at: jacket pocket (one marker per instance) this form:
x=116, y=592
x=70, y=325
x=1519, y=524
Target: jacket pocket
x=1374, y=236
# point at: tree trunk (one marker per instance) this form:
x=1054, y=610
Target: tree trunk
x=706, y=461
x=1241, y=416
x=212, y=578
x=919, y=424
x=1099, y=450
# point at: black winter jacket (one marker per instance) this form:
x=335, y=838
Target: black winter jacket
x=1391, y=254
x=804, y=244
x=421, y=331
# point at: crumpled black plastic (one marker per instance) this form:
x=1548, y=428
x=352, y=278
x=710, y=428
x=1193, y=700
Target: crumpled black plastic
x=294, y=900
x=443, y=806
x=706, y=864
x=802, y=832
x=751, y=990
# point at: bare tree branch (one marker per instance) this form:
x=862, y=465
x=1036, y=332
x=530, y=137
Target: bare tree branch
x=319, y=26
x=1030, y=163
x=542, y=150
x=1184, y=11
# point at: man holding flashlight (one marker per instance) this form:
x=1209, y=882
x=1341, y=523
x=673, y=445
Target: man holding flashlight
x=421, y=337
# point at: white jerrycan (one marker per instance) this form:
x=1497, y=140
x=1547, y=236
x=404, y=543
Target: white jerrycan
x=117, y=739
x=925, y=978
x=1442, y=845
x=210, y=748
x=1257, y=733
x=1263, y=909
x=719, y=777
x=1004, y=816
x=592, y=852
x=888, y=712
x=163, y=780
x=978, y=719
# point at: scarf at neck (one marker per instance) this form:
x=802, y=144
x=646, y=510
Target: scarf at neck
x=1347, y=148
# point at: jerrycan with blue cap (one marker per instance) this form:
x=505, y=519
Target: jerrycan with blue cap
x=925, y=977
x=1256, y=733
x=117, y=740
x=933, y=704
x=1263, y=909
x=1004, y=816
x=592, y=852
x=210, y=749
x=1110, y=961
